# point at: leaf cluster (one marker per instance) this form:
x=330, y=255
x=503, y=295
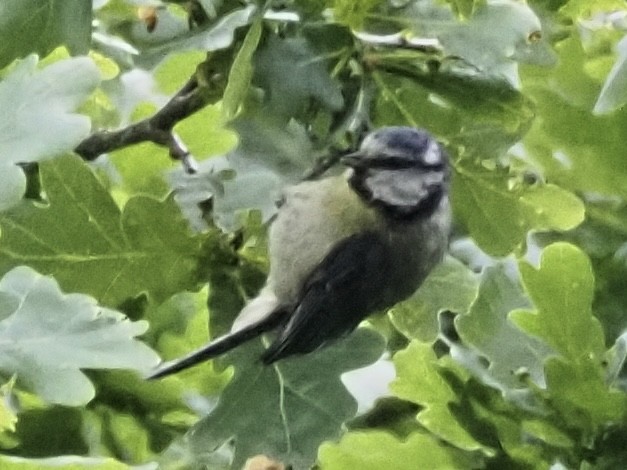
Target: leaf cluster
x=113, y=254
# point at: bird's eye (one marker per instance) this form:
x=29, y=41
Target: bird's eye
x=434, y=167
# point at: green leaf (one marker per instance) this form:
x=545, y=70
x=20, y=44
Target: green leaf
x=550, y=207
x=269, y=156
x=503, y=424
x=614, y=92
x=574, y=148
x=161, y=409
x=491, y=40
x=176, y=326
x=165, y=407
x=217, y=36
x=561, y=290
x=172, y=73
x=70, y=462
x=130, y=439
x=28, y=26
x=464, y=8
x=602, y=237
x=419, y=380
x=205, y=133
x=580, y=392
x=82, y=239
x=241, y=71
x=499, y=212
x=285, y=411
x=477, y=115
x=45, y=431
x=47, y=337
x=8, y=416
x=351, y=13
x=487, y=329
x=451, y=286
x=584, y=8
x=495, y=35
x=38, y=121
x=380, y=450
x=232, y=286
x=308, y=76
x=547, y=432
x=142, y=168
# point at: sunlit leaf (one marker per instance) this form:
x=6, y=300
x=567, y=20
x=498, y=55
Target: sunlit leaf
x=451, y=286
x=575, y=148
x=71, y=462
x=499, y=212
x=419, y=380
x=561, y=290
x=241, y=72
x=81, y=237
x=377, y=450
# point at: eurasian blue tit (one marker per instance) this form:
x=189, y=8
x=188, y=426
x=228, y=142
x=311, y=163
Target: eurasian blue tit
x=346, y=246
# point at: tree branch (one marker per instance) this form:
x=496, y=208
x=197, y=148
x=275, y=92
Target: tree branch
x=157, y=129
x=400, y=40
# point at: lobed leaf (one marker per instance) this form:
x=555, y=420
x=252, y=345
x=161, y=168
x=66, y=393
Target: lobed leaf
x=561, y=290
x=378, y=450
x=487, y=329
x=46, y=338
x=419, y=380
x=241, y=72
x=451, y=286
x=285, y=411
x=83, y=240
x=39, y=121
x=575, y=149
x=499, y=214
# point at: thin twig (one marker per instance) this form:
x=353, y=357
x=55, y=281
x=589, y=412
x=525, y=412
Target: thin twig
x=156, y=129
x=323, y=164
x=400, y=40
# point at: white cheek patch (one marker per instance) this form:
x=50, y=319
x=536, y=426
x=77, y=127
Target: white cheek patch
x=433, y=156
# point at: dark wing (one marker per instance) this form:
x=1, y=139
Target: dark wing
x=338, y=295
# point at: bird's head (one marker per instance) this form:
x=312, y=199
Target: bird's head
x=401, y=170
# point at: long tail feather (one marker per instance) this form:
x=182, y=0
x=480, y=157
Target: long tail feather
x=219, y=345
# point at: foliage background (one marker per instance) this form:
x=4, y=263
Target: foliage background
x=112, y=254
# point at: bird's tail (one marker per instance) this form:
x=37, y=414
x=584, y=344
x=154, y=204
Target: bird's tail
x=220, y=345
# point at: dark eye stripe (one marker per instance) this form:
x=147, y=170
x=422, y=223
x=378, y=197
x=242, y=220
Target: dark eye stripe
x=391, y=163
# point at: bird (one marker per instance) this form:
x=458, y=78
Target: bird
x=346, y=246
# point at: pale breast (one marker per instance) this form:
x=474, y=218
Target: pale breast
x=314, y=218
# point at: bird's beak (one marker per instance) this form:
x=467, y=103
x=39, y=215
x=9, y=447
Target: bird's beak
x=353, y=160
